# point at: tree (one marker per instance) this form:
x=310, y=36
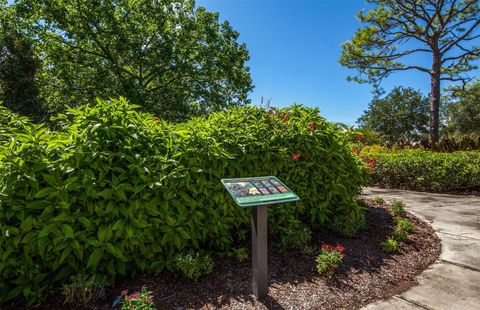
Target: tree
x=19, y=68
x=463, y=112
x=397, y=30
x=400, y=117
x=173, y=59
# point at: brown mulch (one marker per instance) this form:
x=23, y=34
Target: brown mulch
x=367, y=274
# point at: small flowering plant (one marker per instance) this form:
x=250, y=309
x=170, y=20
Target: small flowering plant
x=296, y=156
x=358, y=143
x=329, y=259
x=140, y=300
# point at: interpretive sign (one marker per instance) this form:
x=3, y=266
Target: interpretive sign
x=257, y=191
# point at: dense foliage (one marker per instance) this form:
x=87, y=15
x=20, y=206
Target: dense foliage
x=417, y=169
x=463, y=111
x=113, y=191
x=400, y=116
x=173, y=58
x=19, y=68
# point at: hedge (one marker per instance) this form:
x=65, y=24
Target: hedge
x=426, y=170
x=113, y=191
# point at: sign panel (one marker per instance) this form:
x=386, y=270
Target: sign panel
x=258, y=191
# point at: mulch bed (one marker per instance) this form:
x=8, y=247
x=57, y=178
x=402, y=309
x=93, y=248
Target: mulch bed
x=366, y=275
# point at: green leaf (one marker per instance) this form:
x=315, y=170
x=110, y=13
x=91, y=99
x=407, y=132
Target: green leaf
x=114, y=250
x=44, y=192
x=68, y=231
x=14, y=293
x=95, y=258
x=65, y=253
x=46, y=230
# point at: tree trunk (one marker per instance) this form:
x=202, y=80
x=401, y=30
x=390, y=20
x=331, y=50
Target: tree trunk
x=435, y=101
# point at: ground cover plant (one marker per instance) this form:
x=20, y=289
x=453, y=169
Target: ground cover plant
x=140, y=300
x=83, y=291
x=417, y=169
x=389, y=245
x=112, y=191
x=193, y=266
x=403, y=228
x=329, y=259
x=366, y=274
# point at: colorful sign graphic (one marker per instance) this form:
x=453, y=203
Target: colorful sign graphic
x=258, y=191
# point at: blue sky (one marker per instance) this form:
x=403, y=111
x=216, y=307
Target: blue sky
x=294, y=49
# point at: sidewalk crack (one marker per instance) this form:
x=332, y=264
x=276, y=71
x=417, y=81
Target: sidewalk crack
x=461, y=265
x=413, y=302
x=463, y=236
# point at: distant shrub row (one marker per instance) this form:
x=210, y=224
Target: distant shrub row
x=425, y=170
x=114, y=191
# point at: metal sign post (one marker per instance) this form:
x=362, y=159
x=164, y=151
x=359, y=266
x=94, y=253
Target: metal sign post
x=259, y=192
x=259, y=252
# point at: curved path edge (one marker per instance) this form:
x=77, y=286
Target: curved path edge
x=453, y=281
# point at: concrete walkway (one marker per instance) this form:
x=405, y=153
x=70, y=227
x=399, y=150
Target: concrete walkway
x=453, y=282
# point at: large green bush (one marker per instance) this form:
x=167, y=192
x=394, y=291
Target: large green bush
x=427, y=170
x=113, y=191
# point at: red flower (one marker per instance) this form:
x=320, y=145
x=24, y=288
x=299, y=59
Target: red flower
x=296, y=156
x=339, y=248
x=311, y=126
x=124, y=292
x=326, y=248
x=133, y=296
x=284, y=117
x=360, y=138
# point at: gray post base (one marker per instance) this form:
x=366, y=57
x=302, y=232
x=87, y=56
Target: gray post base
x=259, y=251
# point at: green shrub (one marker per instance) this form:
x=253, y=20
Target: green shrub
x=240, y=254
x=82, y=291
x=113, y=191
x=348, y=224
x=378, y=200
x=402, y=229
x=400, y=234
x=373, y=150
x=193, y=266
x=296, y=239
x=10, y=124
x=398, y=208
x=428, y=171
x=141, y=300
x=389, y=245
x=329, y=259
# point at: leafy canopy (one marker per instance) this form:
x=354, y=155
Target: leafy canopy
x=463, y=111
x=400, y=116
x=172, y=58
x=398, y=33
x=395, y=29
x=19, y=67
